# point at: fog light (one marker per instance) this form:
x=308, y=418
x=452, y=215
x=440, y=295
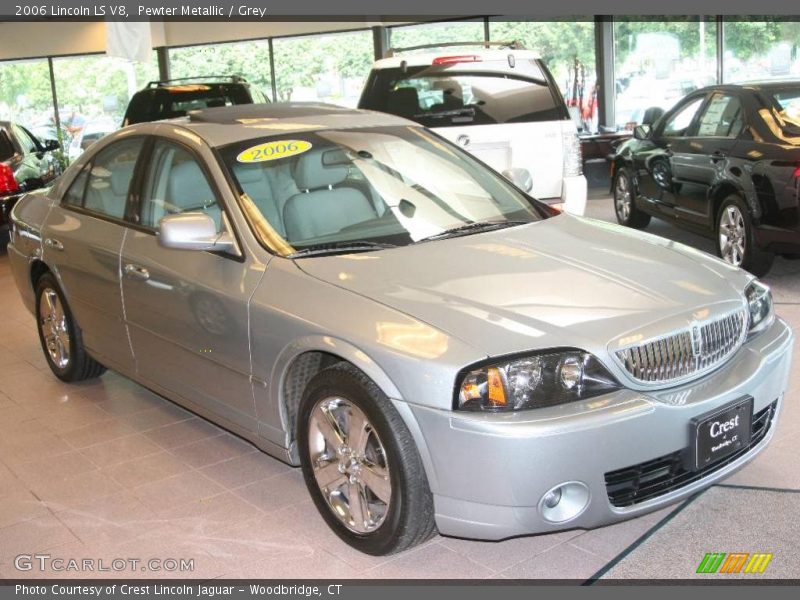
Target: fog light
x=552, y=498
x=564, y=502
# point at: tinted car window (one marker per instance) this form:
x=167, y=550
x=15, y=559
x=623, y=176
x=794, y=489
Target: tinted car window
x=74, y=195
x=464, y=94
x=6, y=147
x=678, y=123
x=176, y=184
x=722, y=117
x=110, y=178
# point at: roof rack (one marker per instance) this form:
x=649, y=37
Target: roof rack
x=201, y=78
x=511, y=45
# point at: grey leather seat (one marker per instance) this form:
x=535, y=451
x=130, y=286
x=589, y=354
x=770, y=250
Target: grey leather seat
x=321, y=209
x=108, y=195
x=269, y=188
x=188, y=191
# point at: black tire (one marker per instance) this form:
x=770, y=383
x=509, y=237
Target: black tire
x=753, y=258
x=624, y=196
x=80, y=365
x=409, y=518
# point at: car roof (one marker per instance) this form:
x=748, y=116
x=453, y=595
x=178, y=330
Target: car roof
x=767, y=84
x=427, y=58
x=229, y=124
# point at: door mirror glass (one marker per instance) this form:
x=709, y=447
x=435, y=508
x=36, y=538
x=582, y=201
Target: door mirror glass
x=51, y=145
x=641, y=132
x=194, y=231
x=520, y=178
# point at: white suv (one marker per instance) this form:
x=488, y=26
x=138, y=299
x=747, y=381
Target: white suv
x=502, y=105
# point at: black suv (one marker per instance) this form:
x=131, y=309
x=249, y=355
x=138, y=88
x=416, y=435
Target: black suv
x=26, y=163
x=725, y=163
x=175, y=97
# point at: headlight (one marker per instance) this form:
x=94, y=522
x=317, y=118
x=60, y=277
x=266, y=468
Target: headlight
x=759, y=302
x=543, y=379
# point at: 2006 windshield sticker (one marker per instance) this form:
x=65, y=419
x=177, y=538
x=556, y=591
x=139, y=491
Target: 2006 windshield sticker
x=273, y=151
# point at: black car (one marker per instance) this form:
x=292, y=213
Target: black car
x=176, y=97
x=26, y=163
x=725, y=163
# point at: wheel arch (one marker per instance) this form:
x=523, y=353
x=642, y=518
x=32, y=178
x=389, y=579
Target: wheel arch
x=299, y=362
x=727, y=187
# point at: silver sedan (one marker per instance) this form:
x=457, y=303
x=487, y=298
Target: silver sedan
x=436, y=349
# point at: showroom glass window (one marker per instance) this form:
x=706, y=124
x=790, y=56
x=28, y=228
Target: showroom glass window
x=325, y=68
x=760, y=49
x=568, y=50
x=26, y=97
x=248, y=59
x=658, y=61
x=404, y=36
x=93, y=93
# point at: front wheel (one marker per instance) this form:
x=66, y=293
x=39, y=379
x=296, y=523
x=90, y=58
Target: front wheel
x=736, y=242
x=361, y=465
x=625, y=202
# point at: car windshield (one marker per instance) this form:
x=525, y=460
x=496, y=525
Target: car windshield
x=368, y=188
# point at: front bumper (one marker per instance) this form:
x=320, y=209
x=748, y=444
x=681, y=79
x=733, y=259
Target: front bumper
x=489, y=472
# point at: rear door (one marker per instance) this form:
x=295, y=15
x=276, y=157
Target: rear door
x=187, y=311
x=82, y=239
x=506, y=116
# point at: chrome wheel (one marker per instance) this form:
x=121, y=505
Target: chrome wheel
x=53, y=325
x=732, y=235
x=349, y=464
x=623, y=199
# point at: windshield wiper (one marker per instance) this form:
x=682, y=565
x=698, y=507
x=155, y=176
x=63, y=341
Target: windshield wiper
x=340, y=248
x=469, y=228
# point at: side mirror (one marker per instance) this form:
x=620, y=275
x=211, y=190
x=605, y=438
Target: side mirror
x=194, y=231
x=642, y=132
x=51, y=145
x=520, y=178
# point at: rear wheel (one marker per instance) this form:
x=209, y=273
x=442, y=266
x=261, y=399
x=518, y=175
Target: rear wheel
x=60, y=336
x=736, y=242
x=361, y=465
x=625, y=202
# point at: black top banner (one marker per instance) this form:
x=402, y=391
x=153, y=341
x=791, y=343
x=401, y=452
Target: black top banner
x=259, y=10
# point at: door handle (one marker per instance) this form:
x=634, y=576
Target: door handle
x=136, y=272
x=54, y=244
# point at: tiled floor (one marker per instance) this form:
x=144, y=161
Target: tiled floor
x=106, y=469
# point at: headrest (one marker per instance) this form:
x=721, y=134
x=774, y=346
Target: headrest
x=311, y=173
x=403, y=101
x=121, y=179
x=249, y=174
x=188, y=185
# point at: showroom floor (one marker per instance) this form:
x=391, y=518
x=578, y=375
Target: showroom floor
x=108, y=470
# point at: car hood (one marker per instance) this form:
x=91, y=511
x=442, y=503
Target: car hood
x=564, y=281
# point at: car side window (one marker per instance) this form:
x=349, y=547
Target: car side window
x=110, y=176
x=175, y=183
x=678, y=123
x=722, y=117
x=74, y=195
x=25, y=141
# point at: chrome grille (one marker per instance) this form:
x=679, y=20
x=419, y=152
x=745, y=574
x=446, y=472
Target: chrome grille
x=685, y=353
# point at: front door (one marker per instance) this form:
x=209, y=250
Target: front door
x=187, y=310
x=82, y=240
x=653, y=159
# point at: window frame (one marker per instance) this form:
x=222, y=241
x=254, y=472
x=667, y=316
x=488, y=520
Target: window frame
x=732, y=94
x=124, y=221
